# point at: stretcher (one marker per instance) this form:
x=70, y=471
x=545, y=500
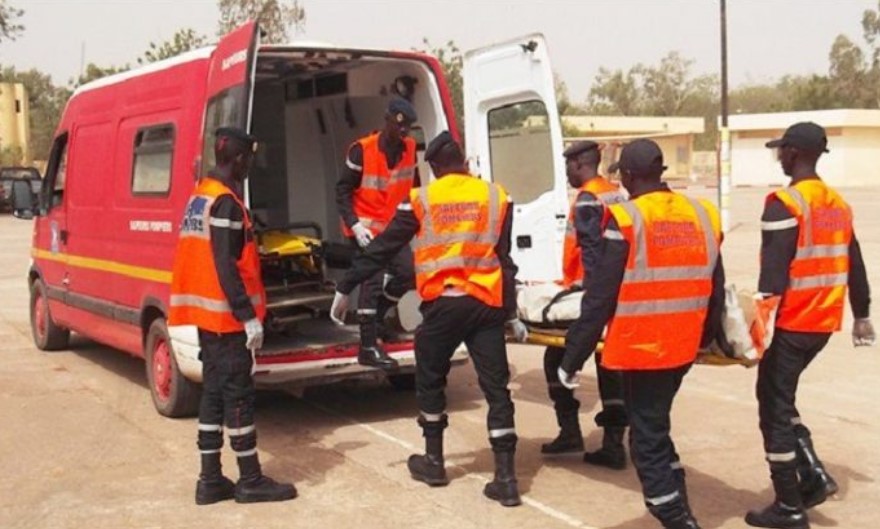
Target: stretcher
x=548, y=309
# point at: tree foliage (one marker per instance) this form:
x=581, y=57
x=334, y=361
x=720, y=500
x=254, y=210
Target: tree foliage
x=46, y=102
x=10, y=28
x=276, y=17
x=184, y=40
x=452, y=63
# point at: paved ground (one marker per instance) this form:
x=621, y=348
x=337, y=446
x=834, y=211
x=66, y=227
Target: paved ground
x=82, y=446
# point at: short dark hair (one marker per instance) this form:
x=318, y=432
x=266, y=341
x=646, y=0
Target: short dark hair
x=448, y=155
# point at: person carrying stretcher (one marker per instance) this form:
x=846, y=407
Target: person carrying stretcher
x=583, y=239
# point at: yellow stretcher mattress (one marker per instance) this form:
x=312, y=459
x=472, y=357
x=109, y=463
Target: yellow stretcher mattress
x=556, y=338
x=286, y=244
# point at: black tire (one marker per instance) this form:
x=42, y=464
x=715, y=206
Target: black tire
x=404, y=382
x=173, y=394
x=47, y=335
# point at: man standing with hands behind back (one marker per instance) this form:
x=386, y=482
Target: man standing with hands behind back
x=381, y=171
x=809, y=257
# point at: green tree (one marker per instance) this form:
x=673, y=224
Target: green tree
x=46, y=101
x=274, y=16
x=10, y=29
x=183, y=41
x=451, y=62
x=94, y=72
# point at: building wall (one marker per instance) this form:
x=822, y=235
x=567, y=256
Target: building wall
x=852, y=162
x=14, y=122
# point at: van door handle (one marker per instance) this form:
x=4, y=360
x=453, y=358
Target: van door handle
x=62, y=236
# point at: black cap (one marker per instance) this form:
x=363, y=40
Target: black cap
x=639, y=157
x=579, y=147
x=805, y=135
x=437, y=144
x=235, y=133
x=402, y=110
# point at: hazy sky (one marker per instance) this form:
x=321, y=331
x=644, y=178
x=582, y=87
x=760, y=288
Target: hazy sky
x=767, y=38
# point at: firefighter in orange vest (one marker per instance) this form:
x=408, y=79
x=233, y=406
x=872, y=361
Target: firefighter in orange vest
x=460, y=227
x=660, y=282
x=583, y=241
x=809, y=256
x=381, y=169
x=216, y=286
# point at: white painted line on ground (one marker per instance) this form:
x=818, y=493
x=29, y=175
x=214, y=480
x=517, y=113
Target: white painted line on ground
x=533, y=503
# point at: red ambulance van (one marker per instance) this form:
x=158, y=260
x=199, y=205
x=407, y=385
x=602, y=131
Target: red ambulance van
x=129, y=148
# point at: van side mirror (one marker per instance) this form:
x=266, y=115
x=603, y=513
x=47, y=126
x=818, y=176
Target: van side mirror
x=23, y=203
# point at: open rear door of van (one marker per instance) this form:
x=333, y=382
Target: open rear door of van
x=230, y=87
x=513, y=137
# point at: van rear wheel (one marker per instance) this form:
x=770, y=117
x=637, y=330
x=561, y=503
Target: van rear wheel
x=47, y=335
x=173, y=394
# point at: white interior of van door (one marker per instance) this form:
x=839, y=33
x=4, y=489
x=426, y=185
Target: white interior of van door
x=513, y=137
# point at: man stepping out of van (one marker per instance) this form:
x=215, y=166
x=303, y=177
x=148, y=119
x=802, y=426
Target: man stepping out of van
x=381, y=169
x=459, y=226
x=216, y=286
x=583, y=244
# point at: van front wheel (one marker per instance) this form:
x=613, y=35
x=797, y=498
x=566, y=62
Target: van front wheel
x=173, y=394
x=47, y=335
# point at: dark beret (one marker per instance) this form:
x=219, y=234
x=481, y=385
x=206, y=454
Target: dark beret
x=579, y=147
x=437, y=144
x=237, y=134
x=402, y=110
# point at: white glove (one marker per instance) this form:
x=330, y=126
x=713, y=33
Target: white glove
x=863, y=332
x=569, y=381
x=362, y=235
x=339, y=308
x=519, y=330
x=254, y=331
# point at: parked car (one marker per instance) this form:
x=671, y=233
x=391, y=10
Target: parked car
x=8, y=175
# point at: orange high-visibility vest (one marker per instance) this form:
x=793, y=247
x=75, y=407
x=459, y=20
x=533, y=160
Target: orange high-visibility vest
x=196, y=295
x=460, y=221
x=572, y=265
x=382, y=187
x=814, y=299
x=664, y=297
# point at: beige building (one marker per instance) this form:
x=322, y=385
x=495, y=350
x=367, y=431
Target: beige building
x=674, y=135
x=14, y=124
x=853, y=142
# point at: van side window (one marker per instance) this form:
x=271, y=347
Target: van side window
x=224, y=110
x=153, y=153
x=522, y=150
x=56, y=173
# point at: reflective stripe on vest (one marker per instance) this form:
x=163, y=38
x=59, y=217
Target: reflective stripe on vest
x=819, y=271
x=606, y=193
x=656, y=294
x=457, y=249
x=382, y=187
x=196, y=296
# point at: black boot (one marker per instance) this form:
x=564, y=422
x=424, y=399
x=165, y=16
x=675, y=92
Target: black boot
x=815, y=482
x=684, y=521
x=370, y=353
x=254, y=487
x=612, y=454
x=212, y=485
x=429, y=468
x=779, y=515
x=570, y=438
x=674, y=514
x=503, y=488
x=787, y=511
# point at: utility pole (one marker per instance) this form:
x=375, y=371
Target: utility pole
x=724, y=132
